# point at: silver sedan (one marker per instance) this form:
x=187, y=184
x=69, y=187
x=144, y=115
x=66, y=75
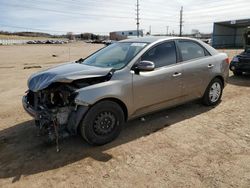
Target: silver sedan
x=122, y=81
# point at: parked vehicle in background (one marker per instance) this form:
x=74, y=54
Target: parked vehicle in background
x=241, y=63
x=247, y=39
x=31, y=42
x=89, y=41
x=96, y=95
x=47, y=42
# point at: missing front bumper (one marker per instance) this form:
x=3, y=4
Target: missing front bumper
x=67, y=118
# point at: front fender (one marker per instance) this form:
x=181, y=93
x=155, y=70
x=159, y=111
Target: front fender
x=120, y=89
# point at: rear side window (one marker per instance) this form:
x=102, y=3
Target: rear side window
x=190, y=50
x=162, y=55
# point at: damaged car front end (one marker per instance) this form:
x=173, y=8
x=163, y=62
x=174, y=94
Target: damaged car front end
x=51, y=98
x=91, y=96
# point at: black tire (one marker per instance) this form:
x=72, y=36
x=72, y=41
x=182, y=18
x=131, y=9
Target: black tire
x=237, y=73
x=103, y=123
x=207, y=100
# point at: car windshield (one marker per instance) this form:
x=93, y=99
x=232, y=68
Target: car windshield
x=116, y=55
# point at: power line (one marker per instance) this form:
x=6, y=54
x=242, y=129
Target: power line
x=189, y=15
x=60, y=2
x=46, y=30
x=119, y=6
x=79, y=14
x=146, y=18
x=104, y=1
x=103, y=8
x=216, y=4
x=33, y=29
x=66, y=12
x=208, y=13
x=120, y=3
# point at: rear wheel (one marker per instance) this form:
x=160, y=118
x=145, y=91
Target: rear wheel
x=213, y=92
x=103, y=123
x=237, y=73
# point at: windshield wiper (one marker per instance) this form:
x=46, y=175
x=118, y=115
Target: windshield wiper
x=79, y=60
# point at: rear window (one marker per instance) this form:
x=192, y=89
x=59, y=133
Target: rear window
x=190, y=50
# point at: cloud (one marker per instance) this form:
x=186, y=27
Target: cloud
x=102, y=16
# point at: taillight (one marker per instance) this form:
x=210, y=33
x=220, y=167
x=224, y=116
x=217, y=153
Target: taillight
x=227, y=60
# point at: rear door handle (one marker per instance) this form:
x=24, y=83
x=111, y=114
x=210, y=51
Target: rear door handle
x=176, y=74
x=210, y=66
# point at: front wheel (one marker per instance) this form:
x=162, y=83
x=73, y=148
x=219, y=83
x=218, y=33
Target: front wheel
x=103, y=123
x=213, y=93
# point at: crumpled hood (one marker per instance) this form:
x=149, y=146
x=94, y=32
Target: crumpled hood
x=65, y=73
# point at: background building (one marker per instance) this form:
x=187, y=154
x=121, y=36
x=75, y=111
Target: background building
x=229, y=34
x=196, y=33
x=120, y=35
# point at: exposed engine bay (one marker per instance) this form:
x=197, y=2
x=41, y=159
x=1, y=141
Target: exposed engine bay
x=54, y=109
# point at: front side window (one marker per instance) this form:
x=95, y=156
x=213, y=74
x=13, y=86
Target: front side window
x=116, y=55
x=162, y=55
x=190, y=50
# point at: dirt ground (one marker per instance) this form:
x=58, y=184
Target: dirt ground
x=187, y=146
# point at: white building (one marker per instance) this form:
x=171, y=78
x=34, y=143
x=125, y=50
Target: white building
x=120, y=35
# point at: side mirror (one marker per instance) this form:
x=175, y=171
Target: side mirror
x=144, y=66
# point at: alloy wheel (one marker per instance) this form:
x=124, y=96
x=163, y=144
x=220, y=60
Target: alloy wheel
x=215, y=92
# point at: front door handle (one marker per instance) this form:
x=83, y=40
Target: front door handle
x=210, y=66
x=176, y=74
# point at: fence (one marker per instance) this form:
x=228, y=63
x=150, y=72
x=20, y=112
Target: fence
x=12, y=41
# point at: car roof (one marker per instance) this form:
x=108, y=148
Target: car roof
x=152, y=39
x=155, y=39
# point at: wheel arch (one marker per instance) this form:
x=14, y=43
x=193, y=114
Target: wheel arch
x=119, y=102
x=205, y=99
x=221, y=79
x=218, y=77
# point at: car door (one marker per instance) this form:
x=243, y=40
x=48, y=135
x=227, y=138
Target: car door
x=197, y=67
x=156, y=89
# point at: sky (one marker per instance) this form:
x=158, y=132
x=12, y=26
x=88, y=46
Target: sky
x=104, y=16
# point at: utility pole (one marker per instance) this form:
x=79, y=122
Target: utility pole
x=138, y=18
x=167, y=29
x=150, y=30
x=181, y=21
